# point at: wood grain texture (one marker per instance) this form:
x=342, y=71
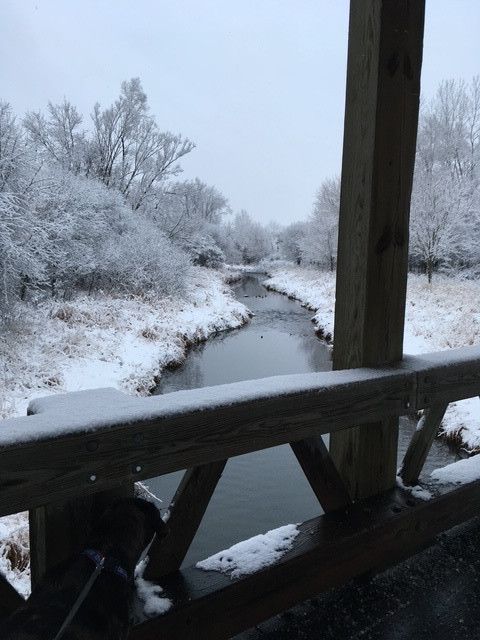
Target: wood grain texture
x=44, y=471
x=187, y=509
x=322, y=474
x=329, y=551
x=442, y=384
x=421, y=443
x=381, y=117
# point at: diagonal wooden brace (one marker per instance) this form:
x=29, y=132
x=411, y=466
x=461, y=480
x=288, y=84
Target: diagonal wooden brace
x=321, y=473
x=421, y=443
x=186, y=512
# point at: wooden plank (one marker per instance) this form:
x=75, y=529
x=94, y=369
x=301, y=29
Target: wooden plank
x=35, y=473
x=329, y=551
x=381, y=116
x=447, y=376
x=322, y=474
x=10, y=599
x=60, y=529
x=186, y=512
x=421, y=443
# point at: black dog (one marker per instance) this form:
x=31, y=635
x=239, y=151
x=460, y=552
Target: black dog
x=118, y=540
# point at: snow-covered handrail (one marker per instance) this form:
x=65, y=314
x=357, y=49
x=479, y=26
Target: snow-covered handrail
x=92, y=440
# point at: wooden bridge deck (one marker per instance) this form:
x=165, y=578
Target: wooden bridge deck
x=434, y=595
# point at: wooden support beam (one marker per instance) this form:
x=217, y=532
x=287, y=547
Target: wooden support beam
x=322, y=474
x=421, y=443
x=381, y=116
x=329, y=551
x=186, y=512
x=60, y=529
x=10, y=599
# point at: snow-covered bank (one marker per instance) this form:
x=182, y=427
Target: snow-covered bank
x=111, y=341
x=442, y=315
x=314, y=289
x=104, y=341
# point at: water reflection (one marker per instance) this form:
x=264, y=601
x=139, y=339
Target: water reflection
x=279, y=340
x=265, y=489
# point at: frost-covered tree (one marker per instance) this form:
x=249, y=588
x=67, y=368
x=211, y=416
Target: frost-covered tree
x=22, y=238
x=292, y=241
x=434, y=225
x=189, y=213
x=445, y=198
x=59, y=135
x=77, y=207
x=23, y=244
x=186, y=208
x=320, y=240
x=246, y=241
x=128, y=151
x=205, y=251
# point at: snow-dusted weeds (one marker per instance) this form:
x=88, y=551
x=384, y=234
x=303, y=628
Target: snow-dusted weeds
x=441, y=315
x=15, y=551
x=111, y=341
x=249, y=556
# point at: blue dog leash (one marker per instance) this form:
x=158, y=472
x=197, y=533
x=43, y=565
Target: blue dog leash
x=101, y=563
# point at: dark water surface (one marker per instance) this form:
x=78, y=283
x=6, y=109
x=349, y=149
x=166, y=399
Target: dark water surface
x=266, y=489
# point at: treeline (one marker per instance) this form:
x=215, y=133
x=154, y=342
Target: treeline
x=445, y=208
x=98, y=205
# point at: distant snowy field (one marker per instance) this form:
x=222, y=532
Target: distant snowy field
x=442, y=315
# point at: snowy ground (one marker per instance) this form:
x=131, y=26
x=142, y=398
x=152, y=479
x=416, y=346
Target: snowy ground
x=103, y=342
x=116, y=342
x=439, y=316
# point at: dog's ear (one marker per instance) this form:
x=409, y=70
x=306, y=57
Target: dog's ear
x=153, y=517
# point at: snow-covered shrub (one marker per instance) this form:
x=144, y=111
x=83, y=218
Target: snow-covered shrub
x=205, y=252
x=80, y=216
x=143, y=260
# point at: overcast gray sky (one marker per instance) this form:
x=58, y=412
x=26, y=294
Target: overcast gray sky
x=257, y=84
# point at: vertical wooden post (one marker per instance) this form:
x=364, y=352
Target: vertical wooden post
x=58, y=530
x=381, y=117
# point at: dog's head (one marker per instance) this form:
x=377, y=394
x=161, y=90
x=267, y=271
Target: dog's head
x=126, y=528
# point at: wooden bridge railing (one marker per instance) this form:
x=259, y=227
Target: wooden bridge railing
x=96, y=443
x=84, y=442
